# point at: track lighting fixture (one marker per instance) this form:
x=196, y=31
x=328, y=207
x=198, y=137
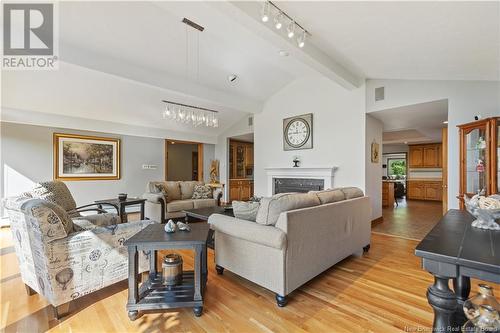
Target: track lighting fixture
x=277, y=21
x=301, y=41
x=291, y=29
x=265, y=12
x=280, y=17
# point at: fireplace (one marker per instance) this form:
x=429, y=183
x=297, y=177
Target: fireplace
x=300, y=179
x=284, y=185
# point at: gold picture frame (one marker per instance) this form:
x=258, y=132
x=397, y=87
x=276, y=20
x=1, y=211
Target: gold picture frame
x=83, y=157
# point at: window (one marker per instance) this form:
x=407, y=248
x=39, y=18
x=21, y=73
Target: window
x=396, y=167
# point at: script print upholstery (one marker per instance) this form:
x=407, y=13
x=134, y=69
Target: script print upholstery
x=74, y=264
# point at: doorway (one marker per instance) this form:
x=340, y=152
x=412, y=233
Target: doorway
x=183, y=160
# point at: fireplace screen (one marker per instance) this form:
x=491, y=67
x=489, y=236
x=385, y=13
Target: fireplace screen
x=303, y=185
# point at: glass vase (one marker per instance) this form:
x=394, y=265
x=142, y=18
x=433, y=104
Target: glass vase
x=484, y=297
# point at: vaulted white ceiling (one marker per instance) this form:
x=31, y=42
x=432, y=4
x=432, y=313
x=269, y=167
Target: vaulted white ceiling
x=436, y=40
x=119, y=58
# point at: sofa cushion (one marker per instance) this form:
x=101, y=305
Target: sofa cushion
x=330, y=195
x=202, y=192
x=187, y=188
x=152, y=187
x=57, y=192
x=249, y=231
x=178, y=205
x=245, y=210
x=202, y=203
x=271, y=208
x=173, y=190
x=352, y=192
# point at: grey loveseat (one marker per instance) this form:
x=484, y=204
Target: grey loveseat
x=179, y=198
x=296, y=237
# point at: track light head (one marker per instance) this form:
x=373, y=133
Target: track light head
x=291, y=29
x=301, y=41
x=265, y=12
x=277, y=21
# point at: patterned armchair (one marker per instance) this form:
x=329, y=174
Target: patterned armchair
x=63, y=258
x=57, y=192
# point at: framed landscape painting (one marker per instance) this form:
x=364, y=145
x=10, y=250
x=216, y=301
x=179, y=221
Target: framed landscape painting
x=80, y=157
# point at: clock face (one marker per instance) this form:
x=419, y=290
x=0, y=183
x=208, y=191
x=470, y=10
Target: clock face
x=297, y=132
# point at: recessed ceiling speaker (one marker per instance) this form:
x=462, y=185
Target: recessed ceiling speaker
x=232, y=77
x=379, y=94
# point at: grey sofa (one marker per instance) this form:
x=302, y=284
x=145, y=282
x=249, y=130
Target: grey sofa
x=296, y=237
x=179, y=198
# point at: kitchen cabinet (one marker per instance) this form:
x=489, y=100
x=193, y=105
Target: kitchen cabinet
x=240, y=159
x=425, y=190
x=240, y=189
x=479, y=158
x=425, y=156
x=388, y=194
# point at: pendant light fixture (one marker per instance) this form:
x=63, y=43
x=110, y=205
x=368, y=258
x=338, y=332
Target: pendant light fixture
x=185, y=113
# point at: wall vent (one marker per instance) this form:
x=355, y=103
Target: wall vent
x=379, y=94
x=250, y=121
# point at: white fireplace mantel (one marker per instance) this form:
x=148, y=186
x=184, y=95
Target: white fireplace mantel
x=325, y=173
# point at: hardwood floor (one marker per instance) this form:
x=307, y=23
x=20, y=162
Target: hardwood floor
x=411, y=219
x=383, y=291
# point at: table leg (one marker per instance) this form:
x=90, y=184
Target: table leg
x=133, y=291
x=461, y=286
x=444, y=302
x=123, y=215
x=153, y=262
x=142, y=211
x=204, y=269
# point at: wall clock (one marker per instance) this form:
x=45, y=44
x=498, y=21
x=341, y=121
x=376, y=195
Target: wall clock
x=298, y=132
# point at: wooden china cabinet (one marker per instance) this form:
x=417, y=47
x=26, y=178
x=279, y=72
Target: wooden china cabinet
x=479, y=158
x=240, y=170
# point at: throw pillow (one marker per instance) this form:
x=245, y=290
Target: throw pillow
x=246, y=210
x=202, y=192
x=163, y=190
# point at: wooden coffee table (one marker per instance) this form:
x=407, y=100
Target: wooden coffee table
x=152, y=294
x=202, y=214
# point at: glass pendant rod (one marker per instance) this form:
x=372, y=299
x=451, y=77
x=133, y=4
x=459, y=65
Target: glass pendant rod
x=189, y=106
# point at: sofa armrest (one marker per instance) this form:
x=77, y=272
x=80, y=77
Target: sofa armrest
x=99, y=220
x=249, y=231
x=153, y=197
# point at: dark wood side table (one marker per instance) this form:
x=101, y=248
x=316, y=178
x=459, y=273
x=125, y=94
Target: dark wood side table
x=121, y=204
x=453, y=249
x=152, y=294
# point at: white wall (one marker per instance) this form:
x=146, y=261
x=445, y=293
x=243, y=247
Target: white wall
x=395, y=148
x=373, y=171
x=26, y=158
x=338, y=135
x=27, y=153
x=465, y=99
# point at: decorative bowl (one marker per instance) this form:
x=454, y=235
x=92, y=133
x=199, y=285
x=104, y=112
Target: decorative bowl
x=485, y=218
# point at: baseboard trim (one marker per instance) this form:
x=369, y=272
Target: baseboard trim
x=377, y=221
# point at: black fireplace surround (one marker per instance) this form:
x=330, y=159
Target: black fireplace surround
x=302, y=185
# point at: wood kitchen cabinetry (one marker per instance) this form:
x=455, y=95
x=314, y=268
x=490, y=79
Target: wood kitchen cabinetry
x=388, y=194
x=240, y=170
x=425, y=190
x=425, y=156
x=240, y=189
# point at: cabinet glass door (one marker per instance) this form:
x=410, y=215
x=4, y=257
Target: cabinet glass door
x=231, y=162
x=240, y=159
x=476, y=168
